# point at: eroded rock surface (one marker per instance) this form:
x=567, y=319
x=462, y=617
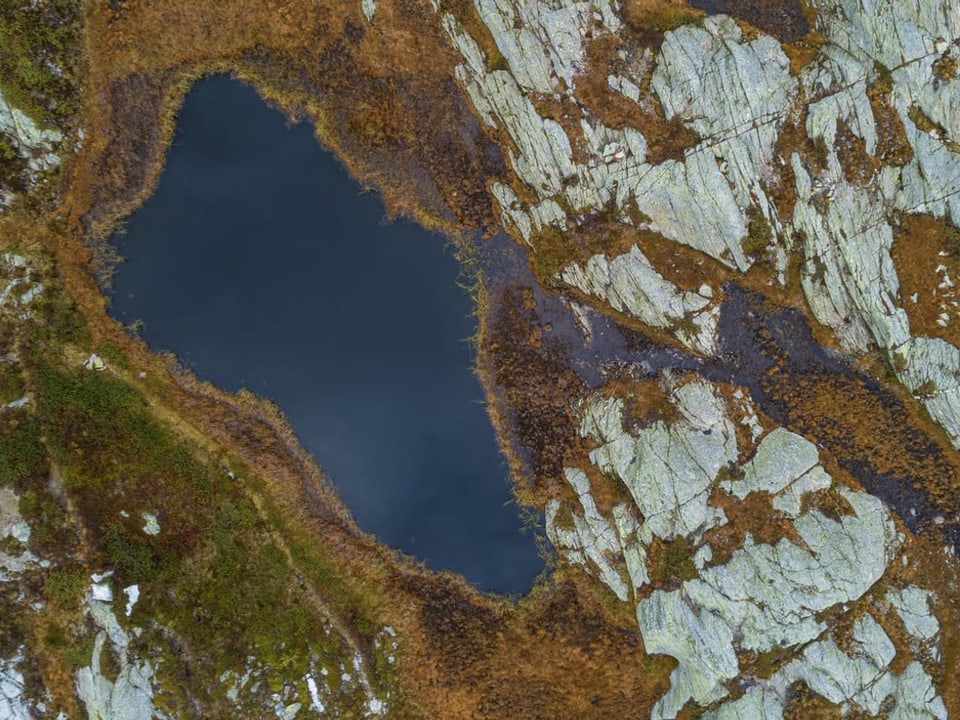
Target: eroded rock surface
x=35, y=147
x=763, y=596
x=129, y=695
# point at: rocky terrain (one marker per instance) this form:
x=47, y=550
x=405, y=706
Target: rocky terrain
x=719, y=339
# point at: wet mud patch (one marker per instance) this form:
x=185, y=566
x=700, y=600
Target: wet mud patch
x=784, y=19
x=536, y=339
x=542, y=350
x=872, y=434
x=532, y=384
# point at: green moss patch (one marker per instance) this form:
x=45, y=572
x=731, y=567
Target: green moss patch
x=22, y=455
x=39, y=41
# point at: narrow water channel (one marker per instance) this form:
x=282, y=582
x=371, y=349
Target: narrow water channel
x=261, y=264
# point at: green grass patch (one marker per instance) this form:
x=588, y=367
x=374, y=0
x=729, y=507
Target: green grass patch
x=57, y=321
x=52, y=533
x=64, y=586
x=136, y=556
x=101, y=428
x=11, y=382
x=77, y=653
x=113, y=354
x=759, y=234
x=23, y=458
x=214, y=576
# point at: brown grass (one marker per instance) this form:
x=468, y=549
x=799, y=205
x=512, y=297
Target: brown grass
x=918, y=243
x=666, y=139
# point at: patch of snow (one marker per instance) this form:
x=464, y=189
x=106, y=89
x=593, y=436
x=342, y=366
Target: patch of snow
x=101, y=592
x=151, y=525
x=316, y=703
x=133, y=594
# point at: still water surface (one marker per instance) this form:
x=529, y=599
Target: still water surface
x=261, y=264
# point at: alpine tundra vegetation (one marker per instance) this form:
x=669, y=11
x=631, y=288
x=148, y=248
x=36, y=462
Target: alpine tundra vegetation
x=715, y=250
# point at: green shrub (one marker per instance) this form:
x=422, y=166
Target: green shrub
x=132, y=555
x=65, y=586
x=23, y=458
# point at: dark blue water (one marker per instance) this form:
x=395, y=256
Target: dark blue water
x=261, y=264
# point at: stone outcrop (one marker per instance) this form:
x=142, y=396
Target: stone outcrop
x=592, y=537
x=129, y=696
x=862, y=679
x=849, y=277
x=701, y=201
x=13, y=704
x=735, y=95
x=629, y=283
x=764, y=596
x=14, y=528
x=35, y=146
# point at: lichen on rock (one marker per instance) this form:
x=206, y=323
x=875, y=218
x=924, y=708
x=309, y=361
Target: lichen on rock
x=129, y=696
x=35, y=146
x=763, y=596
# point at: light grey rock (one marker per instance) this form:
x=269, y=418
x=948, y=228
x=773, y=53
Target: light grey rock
x=888, y=31
x=17, y=290
x=849, y=278
x=18, y=403
x=130, y=695
x=368, y=7
x=151, y=526
x=701, y=642
x=790, y=500
x=848, y=275
x=931, y=367
x=34, y=144
x=771, y=593
x=592, y=538
x=624, y=86
x=101, y=592
x=913, y=606
x=13, y=704
x=864, y=679
x=781, y=458
x=133, y=595
x=757, y=702
x=668, y=469
x=630, y=284
x=734, y=95
x=836, y=84
x=691, y=202
x=94, y=362
x=765, y=596
x=13, y=525
x=543, y=42
x=634, y=552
